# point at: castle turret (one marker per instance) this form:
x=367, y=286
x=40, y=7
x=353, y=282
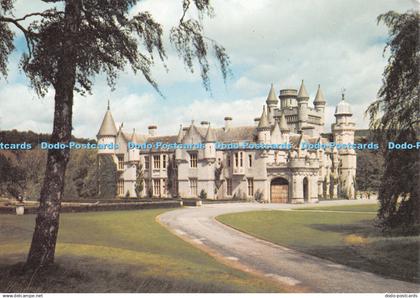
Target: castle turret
x=107, y=133
x=343, y=131
x=287, y=98
x=272, y=103
x=319, y=103
x=302, y=99
x=133, y=151
x=276, y=133
x=210, y=143
x=263, y=128
x=284, y=128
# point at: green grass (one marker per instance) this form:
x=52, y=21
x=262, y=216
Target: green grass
x=125, y=251
x=346, y=238
x=355, y=208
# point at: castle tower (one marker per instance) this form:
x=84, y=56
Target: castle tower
x=302, y=99
x=263, y=128
x=107, y=133
x=319, y=103
x=272, y=103
x=343, y=131
x=210, y=143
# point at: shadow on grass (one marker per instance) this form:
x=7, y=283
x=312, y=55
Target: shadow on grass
x=365, y=228
x=397, y=261
x=394, y=257
x=91, y=278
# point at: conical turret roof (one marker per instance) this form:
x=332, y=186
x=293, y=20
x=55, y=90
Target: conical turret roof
x=319, y=97
x=264, y=123
x=210, y=138
x=283, y=123
x=302, y=91
x=272, y=98
x=108, y=127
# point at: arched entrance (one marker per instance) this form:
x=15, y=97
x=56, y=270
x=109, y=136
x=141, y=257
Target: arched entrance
x=279, y=190
x=305, y=189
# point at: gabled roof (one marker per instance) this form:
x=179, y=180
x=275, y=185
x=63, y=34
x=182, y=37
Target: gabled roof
x=264, y=123
x=192, y=135
x=319, y=97
x=133, y=138
x=272, y=98
x=180, y=135
x=302, y=91
x=210, y=135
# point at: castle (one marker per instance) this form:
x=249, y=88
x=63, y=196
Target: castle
x=301, y=173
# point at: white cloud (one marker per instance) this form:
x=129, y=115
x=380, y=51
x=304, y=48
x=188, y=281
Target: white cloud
x=333, y=43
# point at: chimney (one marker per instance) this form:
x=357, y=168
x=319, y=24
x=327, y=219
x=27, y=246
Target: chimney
x=204, y=123
x=152, y=130
x=228, y=122
x=256, y=121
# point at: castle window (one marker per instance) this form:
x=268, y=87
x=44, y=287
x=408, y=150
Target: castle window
x=193, y=186
x=193, y=160
x=156, y=161
x=228, y=187
x=156, y=187
x=276, y=156
x=146, y=162
x=164, y=161
x=250, y=160
x=250, y=186
x=239, y=159
x=228, y=160
x=120, y=162
x=120, y=187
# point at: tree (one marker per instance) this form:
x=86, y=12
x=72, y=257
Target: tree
x=70, y=43
x=394, y=118
x=139, y=186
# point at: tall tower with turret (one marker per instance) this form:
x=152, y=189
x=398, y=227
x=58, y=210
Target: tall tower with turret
x=302, y=99
x=272, y=103
x=263, y=129
x=319, y=104
x=107, y=133
x=343, y=130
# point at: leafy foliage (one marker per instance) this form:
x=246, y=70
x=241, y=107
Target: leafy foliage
x=139, y=180
x=107, y=177
x=394, y=117
x=106, y=41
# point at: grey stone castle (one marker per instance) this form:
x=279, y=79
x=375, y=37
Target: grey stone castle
x=302, y=172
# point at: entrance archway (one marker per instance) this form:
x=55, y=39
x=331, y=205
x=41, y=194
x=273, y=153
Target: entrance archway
x=305, y=189
x=279, y=190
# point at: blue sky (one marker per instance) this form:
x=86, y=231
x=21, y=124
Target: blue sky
x=337, y=44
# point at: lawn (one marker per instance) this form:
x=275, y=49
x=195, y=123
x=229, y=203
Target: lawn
x=348, y=238
x=352, y=208
x=124, y=251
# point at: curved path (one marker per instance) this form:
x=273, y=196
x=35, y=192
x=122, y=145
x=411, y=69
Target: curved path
x=293, y=270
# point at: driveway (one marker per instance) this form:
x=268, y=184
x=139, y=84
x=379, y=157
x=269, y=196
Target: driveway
x=293, y=270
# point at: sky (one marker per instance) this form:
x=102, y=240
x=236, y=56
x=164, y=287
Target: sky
x=337, y=44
